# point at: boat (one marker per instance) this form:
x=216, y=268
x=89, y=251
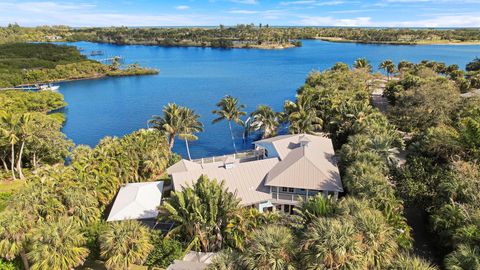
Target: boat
x=48, y=87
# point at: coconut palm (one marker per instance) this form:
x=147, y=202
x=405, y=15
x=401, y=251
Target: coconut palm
x=14, y=227
x=229, y=110
x=171, y=123
x=265, y=119
x=270, y=248
x=201, y=213
x=190, y=126
x=124, y=243
x=9, y=124
x=302, y=115
x=362, y=63
x=388, y=66
x=57, y=245
x=464, y=257
x=331, y=244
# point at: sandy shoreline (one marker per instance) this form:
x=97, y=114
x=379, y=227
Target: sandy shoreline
x=422, y=42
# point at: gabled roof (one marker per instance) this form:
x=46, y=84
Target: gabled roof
x=183, y=166
x=246, y=179
x=285, y=143
x=309, y=167
x=137, y=201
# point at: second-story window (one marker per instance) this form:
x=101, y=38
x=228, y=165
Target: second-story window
x=291, y=190
x=284, y=189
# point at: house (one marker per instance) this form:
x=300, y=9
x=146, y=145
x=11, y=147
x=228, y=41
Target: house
x=137, y=201
x=285, y=170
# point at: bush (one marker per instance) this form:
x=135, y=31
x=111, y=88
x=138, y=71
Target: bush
x=164, y=252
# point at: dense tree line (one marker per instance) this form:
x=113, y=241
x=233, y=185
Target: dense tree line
x=30, y=63
x=241, y=36
x=441, y=176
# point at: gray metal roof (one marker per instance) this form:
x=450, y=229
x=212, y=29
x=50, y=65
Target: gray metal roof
x=307, y=167
x=246, y=179
x=137, y=201
x=183, y=166
x=285, y=143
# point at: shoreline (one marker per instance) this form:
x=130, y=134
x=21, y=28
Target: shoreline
x=422, y=42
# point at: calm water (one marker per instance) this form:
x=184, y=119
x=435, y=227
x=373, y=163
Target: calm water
x=199, y=77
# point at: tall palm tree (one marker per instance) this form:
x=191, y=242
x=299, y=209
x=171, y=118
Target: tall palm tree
x=170, y=123
x=190, y=126
x=229, y=110
x=271, y=247
x=362, y=63
x=388, y=66
x=264, y=118
x=9, y=128
x=23, y=133
x=302, y=115
x=125, y=243
x=318, y=206
x=57, y=245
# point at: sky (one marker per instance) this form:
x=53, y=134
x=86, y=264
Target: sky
x=369, y=13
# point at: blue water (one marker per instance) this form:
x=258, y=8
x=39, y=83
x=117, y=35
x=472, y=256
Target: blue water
x=199, y=77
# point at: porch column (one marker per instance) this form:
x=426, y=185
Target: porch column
x=278, y=189
x=307, y=194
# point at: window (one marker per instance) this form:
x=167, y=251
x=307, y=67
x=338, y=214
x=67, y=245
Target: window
x=284, y=189
x=286, y=208
x=291, y=190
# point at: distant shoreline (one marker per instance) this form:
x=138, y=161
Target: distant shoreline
x=421, y=42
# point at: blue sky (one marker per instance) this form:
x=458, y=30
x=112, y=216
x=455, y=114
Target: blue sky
x=392, y=13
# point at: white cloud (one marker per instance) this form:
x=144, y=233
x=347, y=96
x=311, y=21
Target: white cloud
x=182, y=7
x=242, y=11
x=312, y=3
x=246, y=2
x=330, y=21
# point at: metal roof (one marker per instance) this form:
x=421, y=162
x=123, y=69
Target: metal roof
x=182, y=166
x=307, y=167
x=137, y=201
x=285, y=143
x=246, y=179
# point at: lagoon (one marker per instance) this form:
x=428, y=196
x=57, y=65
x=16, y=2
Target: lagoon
x=199, y=77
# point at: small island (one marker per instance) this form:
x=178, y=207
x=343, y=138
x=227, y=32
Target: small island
x=33, y=63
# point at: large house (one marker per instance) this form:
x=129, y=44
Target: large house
x=282, y=171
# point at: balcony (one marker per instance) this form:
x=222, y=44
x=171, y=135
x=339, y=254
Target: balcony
x=245, y=156
x=288, y=197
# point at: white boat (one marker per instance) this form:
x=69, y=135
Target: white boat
x=48, y=87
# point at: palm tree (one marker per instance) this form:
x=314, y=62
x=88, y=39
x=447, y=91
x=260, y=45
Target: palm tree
x=264, y=118
x=124, y=243
x=464, y=257
x=9, y=128
x=318, y=206
x=225, y=260
x=190, y=125
x=170, y=123
x=302, y=115
x=229, y=110
x=57, y=245
x=388, y=66
x=408, y=262
x=378, y=236
x=331, y=244
x=201, y=213
x=362, y=63
x=270, y=248
x=14, y=227
x=23, y=133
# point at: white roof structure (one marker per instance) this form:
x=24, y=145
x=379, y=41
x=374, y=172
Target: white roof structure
x=182, y=166
x=137, y=201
